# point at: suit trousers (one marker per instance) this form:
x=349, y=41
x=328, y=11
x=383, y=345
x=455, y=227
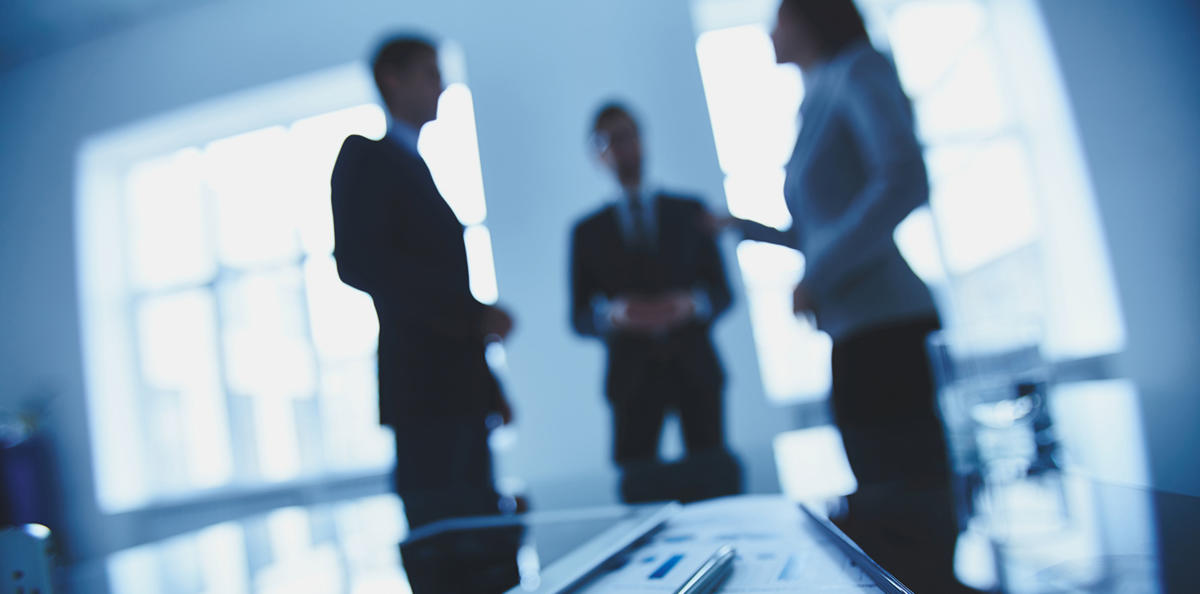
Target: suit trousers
x=884, y=403
x=638, y=416
x=443, y=468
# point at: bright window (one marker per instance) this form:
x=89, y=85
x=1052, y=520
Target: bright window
x=247, y=362
x=348, y=546
x=1011, y=208
x=754, y=105
x=979, y=244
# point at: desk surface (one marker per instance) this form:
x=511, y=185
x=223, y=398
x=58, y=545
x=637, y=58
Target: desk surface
x=779, y=548
x=352, y=547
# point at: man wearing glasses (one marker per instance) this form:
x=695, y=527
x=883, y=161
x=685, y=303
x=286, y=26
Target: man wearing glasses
x=647, y=279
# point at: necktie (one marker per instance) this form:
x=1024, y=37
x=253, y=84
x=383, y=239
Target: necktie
x=640, y=235
x=646, y=273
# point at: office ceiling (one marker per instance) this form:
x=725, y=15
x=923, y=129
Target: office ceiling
x=30, y=29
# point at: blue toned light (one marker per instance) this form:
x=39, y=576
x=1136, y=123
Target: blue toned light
x=451, y=149
x=167, y=218
x=757, y=195
x=481, y=264
x=218, y=336
x=754, y=104
x=793, y=356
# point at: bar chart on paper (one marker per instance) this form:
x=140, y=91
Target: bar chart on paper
x=779, y=552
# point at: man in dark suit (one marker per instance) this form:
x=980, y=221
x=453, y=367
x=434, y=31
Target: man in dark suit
x=398, y=240
x=648, y=280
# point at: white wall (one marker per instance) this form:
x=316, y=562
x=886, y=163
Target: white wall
x=536, y=67
x=1132, y=72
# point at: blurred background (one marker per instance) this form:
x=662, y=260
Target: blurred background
x=174, y=348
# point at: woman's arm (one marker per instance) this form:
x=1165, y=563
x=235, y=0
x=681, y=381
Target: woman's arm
x=755, y=231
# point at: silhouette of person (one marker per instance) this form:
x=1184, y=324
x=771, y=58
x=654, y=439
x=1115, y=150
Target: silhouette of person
x=647, y=279
x=397, y=240
x=856, y=172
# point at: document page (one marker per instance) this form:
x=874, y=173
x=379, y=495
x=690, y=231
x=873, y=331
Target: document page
x=778, y=550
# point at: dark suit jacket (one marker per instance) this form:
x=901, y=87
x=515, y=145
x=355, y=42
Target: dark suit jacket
x=687, y=259
x=397, y=240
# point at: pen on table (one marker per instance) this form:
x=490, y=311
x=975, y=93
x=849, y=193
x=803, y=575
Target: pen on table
x=711, y=573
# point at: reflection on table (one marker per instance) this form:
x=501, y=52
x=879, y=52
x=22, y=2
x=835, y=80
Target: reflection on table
x=359, y=546
x=1146, y=543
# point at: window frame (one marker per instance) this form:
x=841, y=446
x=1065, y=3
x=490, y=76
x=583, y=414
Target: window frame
x=109, y=305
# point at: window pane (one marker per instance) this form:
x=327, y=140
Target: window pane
x=758, y=195
x=265, y=332
x=928, y=39
x=257, y=221
x=168, y=235
x=135, y=571
x=349, y=396
x=793, y=355
x=344, y=325
x=481, y=266
x=276, y=438
x=256, y=363
x=165, y=427
x=969, y=102
x=368, y=530
x=299, y=565
x=289, y=531
x=210, y=561
x=753, y=103
x=177, y=342
x=916, y=236
x=1007, y=292
x=947, y=62
x=812, y=464
x=181, y=556
x=315, y=143
x=983, y=198
x=223, y=557
x=451, y=149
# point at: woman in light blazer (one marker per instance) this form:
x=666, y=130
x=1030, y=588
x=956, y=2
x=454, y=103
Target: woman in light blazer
x=856, y=172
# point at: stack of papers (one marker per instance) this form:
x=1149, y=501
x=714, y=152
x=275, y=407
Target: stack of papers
x=779, y=549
